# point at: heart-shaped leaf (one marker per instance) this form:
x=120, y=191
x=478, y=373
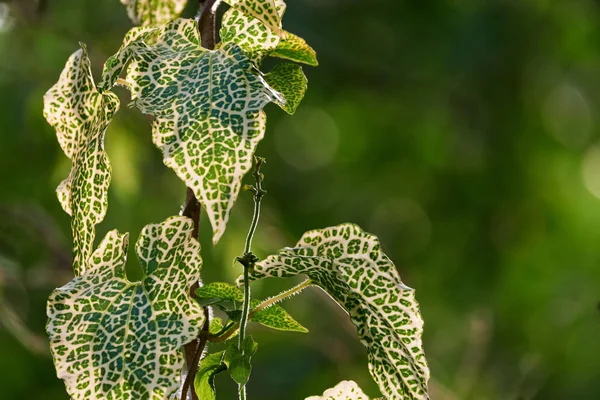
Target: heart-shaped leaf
x=207, y=107
x=115, y=339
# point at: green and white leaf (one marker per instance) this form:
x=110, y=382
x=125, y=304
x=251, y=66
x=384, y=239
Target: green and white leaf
x=268, y=12
x=350, y=266
x=289, y=80
x=345, y=390
x=294, y=48
x=153, y=12
x=250, y=33
x=115, y=339
x=274, y=316
x=258, y=41
x=80, y=114
x=204, y=382
x=113, y=67
x=208, y=112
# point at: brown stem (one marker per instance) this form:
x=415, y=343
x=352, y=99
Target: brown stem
x=193, y=366
x=207, y=24
x=192, y=209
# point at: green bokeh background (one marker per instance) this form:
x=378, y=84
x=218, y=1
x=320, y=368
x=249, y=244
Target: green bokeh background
x=464, y=133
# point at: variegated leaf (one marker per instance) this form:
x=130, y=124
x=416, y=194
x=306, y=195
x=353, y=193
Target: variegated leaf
x=113, y=67
x=350, y=266
x=268, y=12
x=208, y=111
x=153, y=12
x=258, y=41
x=250, y=33
x=115, y=339
x=294, y=48
x=80, y=114
x=345, y=390
x=289, y=80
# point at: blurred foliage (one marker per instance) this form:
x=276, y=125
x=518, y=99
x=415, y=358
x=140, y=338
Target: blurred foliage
x=463, y=133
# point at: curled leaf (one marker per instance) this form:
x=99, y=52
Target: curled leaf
x=289, y=80
x=204, y=382
x=349, y=265
x=294, y=48
x=80, y=114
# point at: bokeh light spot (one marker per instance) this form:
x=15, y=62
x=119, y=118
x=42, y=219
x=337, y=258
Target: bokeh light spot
x=308, y=140
x=567, y=116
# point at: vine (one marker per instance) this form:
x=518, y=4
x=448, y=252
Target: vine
x=115, y=339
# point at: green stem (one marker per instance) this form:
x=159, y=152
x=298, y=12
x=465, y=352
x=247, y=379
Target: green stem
x=280, y=297
x=248, y=259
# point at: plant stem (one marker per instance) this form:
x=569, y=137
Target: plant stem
x=193, y=366
x=228, y=331
x=280, y=297
x=192, y=209
x=248, y=259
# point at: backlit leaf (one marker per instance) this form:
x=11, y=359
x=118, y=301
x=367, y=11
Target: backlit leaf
x=345, y=390
x=208, y=111
x=115, y=339
x=289, y=80
x=250, y=33
x=268, y=12
x=296, y=49
x=153, y=12
x=350, y=266
x=274, y=316
x=204, y=382
x=258, y=41
x=80, y=114
x=239, y=361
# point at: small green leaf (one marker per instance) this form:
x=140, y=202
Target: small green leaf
x=204, y=382
x=116, y=339
x=220, y=290
x=294, y=48
x=80, y=114
x=349, y=265
x=275, y=317
x=239, y=361
x=289, y=80
x=345, y=390
x=215, y=326
x=153, y=12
